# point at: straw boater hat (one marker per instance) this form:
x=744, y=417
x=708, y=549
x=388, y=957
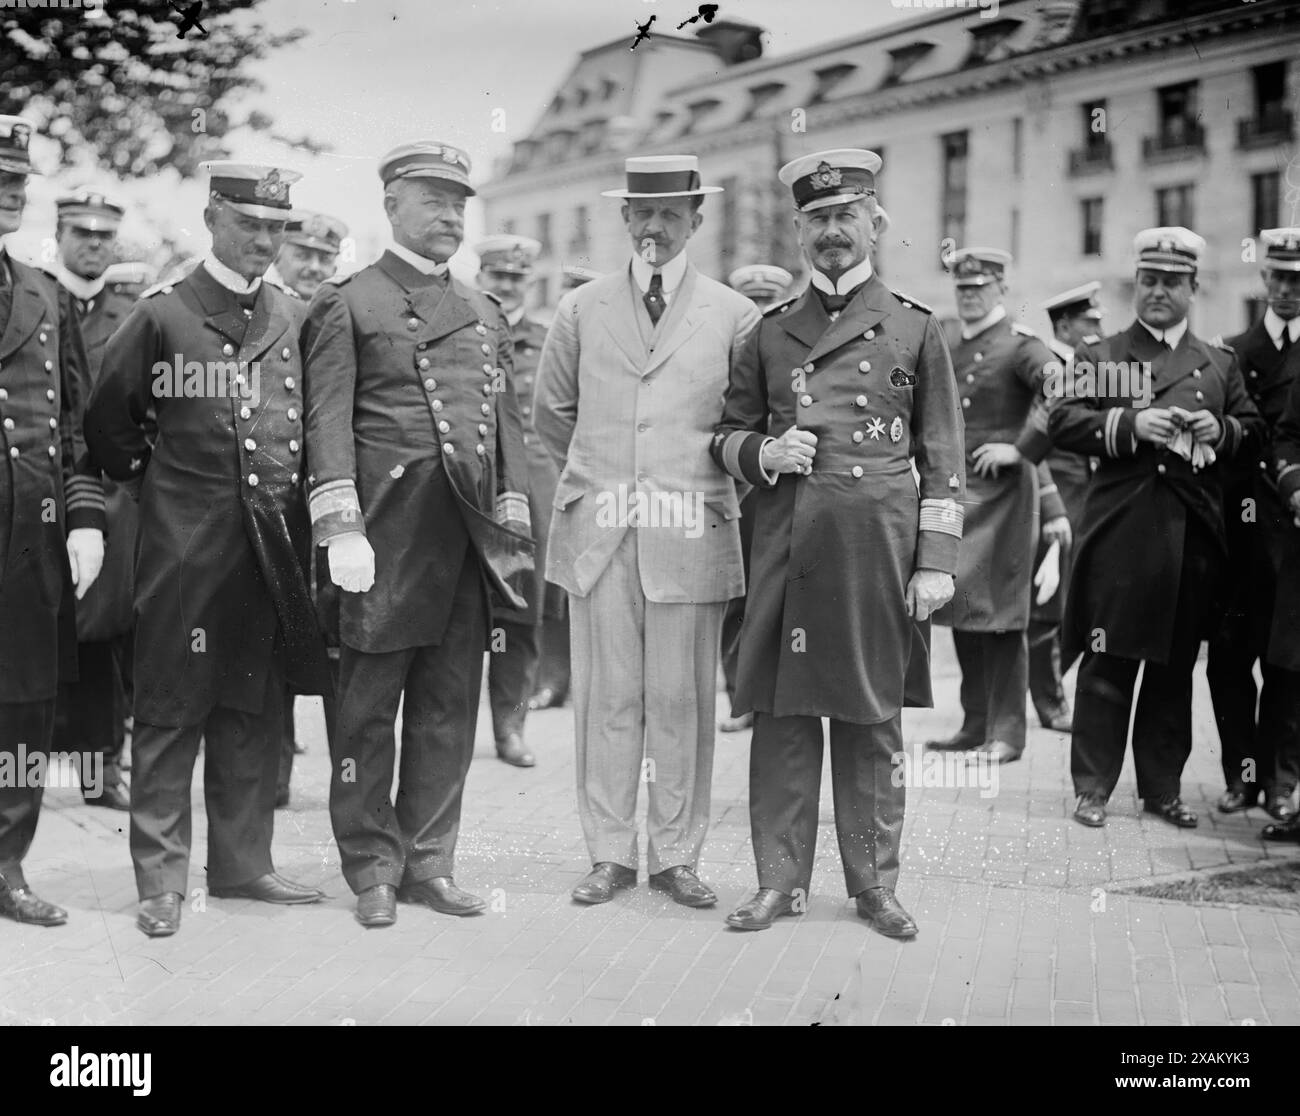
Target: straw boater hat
x=662, y=176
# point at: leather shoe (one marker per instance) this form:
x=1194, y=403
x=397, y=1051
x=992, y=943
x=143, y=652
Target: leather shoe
x=159, y=916
x=1090, y=810
x=605, y=878
x=1283, y=831
x=1236, y=799
x=1279, y=807
x=377, y=906
x=1060, y=721
x=282, y=798
x=995, y=751
x=736, y=724
x=546, y=698
x=880, y=907
x=683, y=886
x=764, y=908
x=955, y=743
x=512, y=750
x=271, y=888
x=1173, y=810
x=115, y=797
x=21, y=905
x=442, y=895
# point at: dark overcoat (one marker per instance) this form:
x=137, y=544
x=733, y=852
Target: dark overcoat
x=1284, y=464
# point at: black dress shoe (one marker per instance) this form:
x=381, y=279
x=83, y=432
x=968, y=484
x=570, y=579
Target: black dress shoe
x=736, y=724
x=762, y=909
x=271, y=888
x=1090, y=810
x=1236, y=799
x=880, y=907
x=1279, y=807
x=442, y=895
x=995, y=751
x=1173, y=810
x=377, y=906
x=683, y=886
x=115, y=797
x=1283, y=831
x=1059, y=722
x=159, y=916
x=546, y=698
x=512, y=750
x=21, y=905
x=604, y=879
x=956, y=743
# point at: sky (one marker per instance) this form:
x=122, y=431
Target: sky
x=375, y=73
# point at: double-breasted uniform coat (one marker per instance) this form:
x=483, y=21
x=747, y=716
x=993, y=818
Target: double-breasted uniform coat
x=1152, y=546
x=826, y=631
x=1259, y=620
x=222, y=607
x=414, y=439
x=47, y=488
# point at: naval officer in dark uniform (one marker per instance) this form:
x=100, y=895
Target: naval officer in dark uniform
x=223, y=612
x=417, y=487
x=91, y=715
x=1261, y=750
x=1160, y=408
x=849, y=559
x=51, y=524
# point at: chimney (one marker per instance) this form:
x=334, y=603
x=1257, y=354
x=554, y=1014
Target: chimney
x=733, y=41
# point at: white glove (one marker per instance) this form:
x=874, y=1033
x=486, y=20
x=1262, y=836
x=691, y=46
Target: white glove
x=1048, y=577
x=352, y=562
x=85, y=556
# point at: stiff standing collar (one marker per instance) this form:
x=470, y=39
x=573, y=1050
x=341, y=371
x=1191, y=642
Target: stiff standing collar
x=229, y=279
x=1275, y=326
x=422, y=264
x=673, y=272
x=515, y=316
x=1170, y=336
x=854, y=277
x=974, y=329
x=81, y=287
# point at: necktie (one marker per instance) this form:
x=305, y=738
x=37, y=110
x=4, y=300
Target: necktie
x=1285, y=347
x=247, y=300
x=654, y=298
x=835, y=303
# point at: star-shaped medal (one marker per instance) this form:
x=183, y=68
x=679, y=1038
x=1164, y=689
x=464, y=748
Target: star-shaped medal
x=876, y=427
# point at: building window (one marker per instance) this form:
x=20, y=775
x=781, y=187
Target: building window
x=1270, y=89
x=952, y=217
x=544, y=232
x=1271, y=122
x=761, y=95
x=1017, y=145
x=699, y=111
x=902, y=59
x=1094, y=126
x=1176, y=110
x=828, y=78
x=986, y=37
x=1093, y=213
x=1265, y=200
x=1174, y=206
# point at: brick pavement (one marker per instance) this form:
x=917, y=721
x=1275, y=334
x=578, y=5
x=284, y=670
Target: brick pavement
x=1020, y=918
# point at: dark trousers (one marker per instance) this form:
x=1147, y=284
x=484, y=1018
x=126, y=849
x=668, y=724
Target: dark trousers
x=90, y=713
x=382, y=842
x=26, y=729
x=240, y=758
x=994, y=675
x=288, y=737
x=1045, y=688
x=734, y=616
x=553, y=661
x=1259, y=729
x=512, y=675
x=785, y=771
x=1162, y=723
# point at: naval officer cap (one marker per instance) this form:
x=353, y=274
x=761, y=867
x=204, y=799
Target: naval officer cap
x=1171, y=248
x=760, y=280
x=976, y=267
x=661, y=176
x=427, y=159
x=507, y=253
x=89, y=210
x=1077, y=302
x=15, y=134
x=135, y=274
x=831, y=177
x=1283, y=249
x=575, y=276
x=315, y=230
x=251, y=188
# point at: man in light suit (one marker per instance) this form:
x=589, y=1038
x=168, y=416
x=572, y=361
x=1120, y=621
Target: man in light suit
x=644, y=535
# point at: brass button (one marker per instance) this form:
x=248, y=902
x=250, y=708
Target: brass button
x=293, y=445
x=805, y=401
x=979, y=356
x=293, y=478
x=43, y=338
x=864, y=366
x=423, y=363
x=13, y=451
x=49, y=366
x=485, y=408
x=252, y=480
x=527, y=411
x=808, y=367
x=49, y=394
x=1254, y=375
x=436, y=405
x=51, y=451
x=478, y=449
x=413, y=323
x=4, y=394
x=1196, y=373
x=869, y=335
x=858, y=435
x=430, y=384
x=480, y=329
x=292, y=412
x=969, y=378
x=444, y=426
x=290, y=382
x=9, y=424
x=54, y=424
x=487, y=349
x=1161, y=470
x=487, y=368
x=250, y=445
x=228, y=349
x=447, y=447
x=861, y=401
x=284, y=353
x=482, y=429
x=1199, y=397
x=966, y=403
x=857, y=470
x=487, y=389
x=245, y=413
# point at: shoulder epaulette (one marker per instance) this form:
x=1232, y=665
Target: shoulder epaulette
x=157, y=288
x=777, y=307
x=339, y=280
x=492, y=297
x=1219, y=343
x=1091, y=339
x=1023, y=330
x=908, y=301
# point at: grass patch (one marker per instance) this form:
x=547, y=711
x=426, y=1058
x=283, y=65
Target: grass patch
x=1259, y=885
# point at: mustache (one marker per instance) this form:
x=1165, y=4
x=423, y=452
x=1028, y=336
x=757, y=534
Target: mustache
x=827, y=243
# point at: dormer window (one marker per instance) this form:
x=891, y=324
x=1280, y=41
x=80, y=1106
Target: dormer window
x=987, y=38
x=828, y=78
x=700, y=110
x=760, y=95
x=903, y=58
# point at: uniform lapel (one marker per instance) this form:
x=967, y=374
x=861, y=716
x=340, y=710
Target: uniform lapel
x=270, y=320
x=619, y=315
x=1261, y=353
x=27, y=312
x=682, y=319
x=867, y=309
x=806, y=321
x=1178, y=365
x=218, y=306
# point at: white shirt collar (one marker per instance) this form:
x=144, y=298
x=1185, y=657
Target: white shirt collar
x=82, y=288
x=420, y=263
x=854, y=277
x=1275, y=325
x=673, y=272
x=515, y=316
x=1170, y=336
x=974, y=329
x=231, y=280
